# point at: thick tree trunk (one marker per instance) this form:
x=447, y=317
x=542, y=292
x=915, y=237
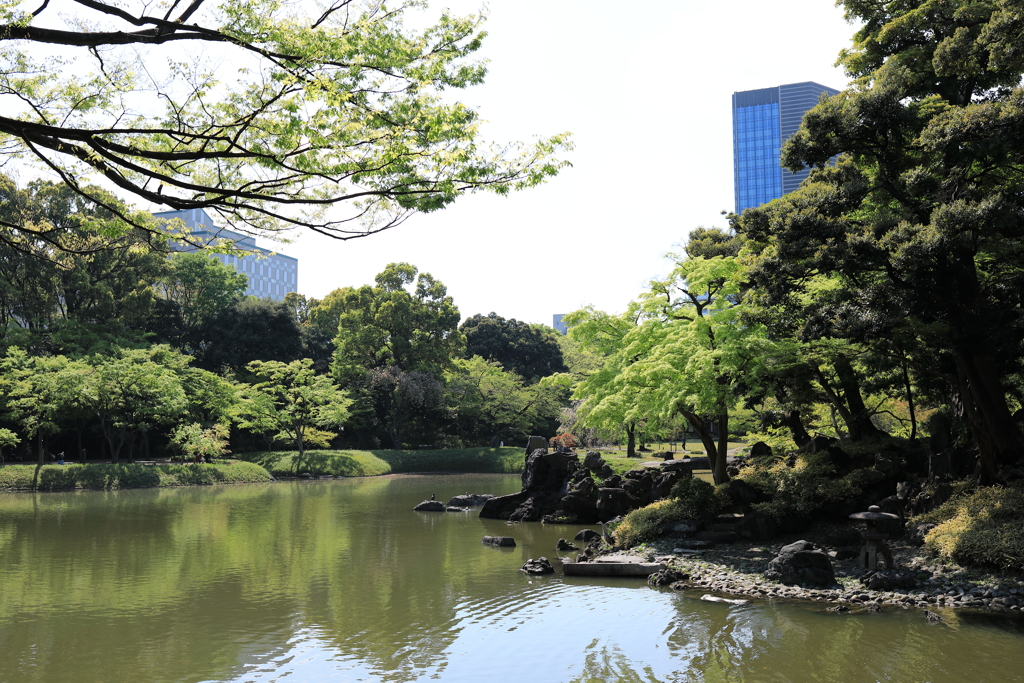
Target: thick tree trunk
x=716, y=452
x=791, y=419
x=860, y=424
x=631, y=440
x=999, y=439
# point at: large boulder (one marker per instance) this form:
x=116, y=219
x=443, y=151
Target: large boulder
x=536, y=442
x=431, y=506
x=546, y=480
x=801, y=562
x=593, y=461
x=470, y=500
x=612, y=503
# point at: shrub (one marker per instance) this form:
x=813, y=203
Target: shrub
x=646, y=524
x=808, y=488
x=350, y=463
x=698, y=499
x=980, y=528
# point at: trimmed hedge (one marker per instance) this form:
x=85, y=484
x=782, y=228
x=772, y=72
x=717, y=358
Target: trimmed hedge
x=127, y=475
x=351, y=463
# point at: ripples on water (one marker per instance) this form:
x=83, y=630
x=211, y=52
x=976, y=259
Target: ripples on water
x=341, y=581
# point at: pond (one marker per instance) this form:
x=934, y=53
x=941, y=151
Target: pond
x=341, y=580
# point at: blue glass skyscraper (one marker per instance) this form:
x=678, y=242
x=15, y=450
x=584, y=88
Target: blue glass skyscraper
x=761, y=121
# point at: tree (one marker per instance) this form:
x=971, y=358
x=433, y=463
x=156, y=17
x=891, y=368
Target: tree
x=485, y=400
x=35, y=390
x=920, y=222
x=388, y=325
x=400, y=397
x=526, y=350
x=291, y=399
x=701, y=352
x=330, y=105
x=85, y=294
x=608, y=400
x=251, y=329
x=196, y=288
x=132, y=394
x=7, y=439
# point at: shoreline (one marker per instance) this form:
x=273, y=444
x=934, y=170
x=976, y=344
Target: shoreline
x=737, y=570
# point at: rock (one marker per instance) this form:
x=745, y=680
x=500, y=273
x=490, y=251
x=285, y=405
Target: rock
x=917, y=532
x=760, y=450
x=587, y=535
x=758, y=526
x=874, y=607
x=615, y=502
x=718, y=536
x=693, y=544
x=581, y=509
x=730, y=601
x=838, y=609
x=535, y=443
x=613, y=482
x=430, y=506
x=453, y=508
x=666, y=577
x=546, y=478
x=538, y=566
x=564, y=546
x=664, y=455
x=684, y=466
x=801, y=562
x=470, y=500
x=593, y=461
x=304, y=475
x=500, y=541
x=606, y=472
x=932, y=616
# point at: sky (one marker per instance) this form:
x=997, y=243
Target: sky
x=646, y=92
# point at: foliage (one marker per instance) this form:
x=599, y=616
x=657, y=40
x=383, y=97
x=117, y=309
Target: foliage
x=486, y=401
x=290, y=399
x=192, y=440
x=530, y=351
x=916, y=230
x=67, y=287
x=648, y=523
x=982, y=527
x=8, y=439
x=336, y=106
x=349, y=463
x=387, y=325
x=809, y=488
x=565, y=440
x=250, y=329
x=699, y=498
x=127, y=475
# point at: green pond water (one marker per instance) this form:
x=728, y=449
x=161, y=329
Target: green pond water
x=342, y=581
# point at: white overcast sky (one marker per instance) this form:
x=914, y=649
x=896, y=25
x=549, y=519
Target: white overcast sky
x=646, y=91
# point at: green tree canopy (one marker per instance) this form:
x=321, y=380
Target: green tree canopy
x=326, y=105
x=920, y=223
x=529, y=351
x=387, y=324
x=291, y=400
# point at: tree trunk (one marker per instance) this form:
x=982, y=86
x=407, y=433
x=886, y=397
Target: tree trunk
x=715, y=453
x=631, y=440
x=860, y=424
x=792, y=420
x=999, y=439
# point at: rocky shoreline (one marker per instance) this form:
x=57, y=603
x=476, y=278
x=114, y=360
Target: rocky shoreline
x=916, y=581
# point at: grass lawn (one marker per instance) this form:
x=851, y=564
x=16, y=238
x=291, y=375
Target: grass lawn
x=352, y=463
x=127, y=475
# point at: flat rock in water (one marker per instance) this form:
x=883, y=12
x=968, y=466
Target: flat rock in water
x=714, y=598
x=431, y=506
x=500, y=541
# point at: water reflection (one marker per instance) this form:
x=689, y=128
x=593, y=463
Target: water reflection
x=341, y=580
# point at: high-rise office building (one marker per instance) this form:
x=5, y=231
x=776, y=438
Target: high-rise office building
x=761, y=121
x=271, y=275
